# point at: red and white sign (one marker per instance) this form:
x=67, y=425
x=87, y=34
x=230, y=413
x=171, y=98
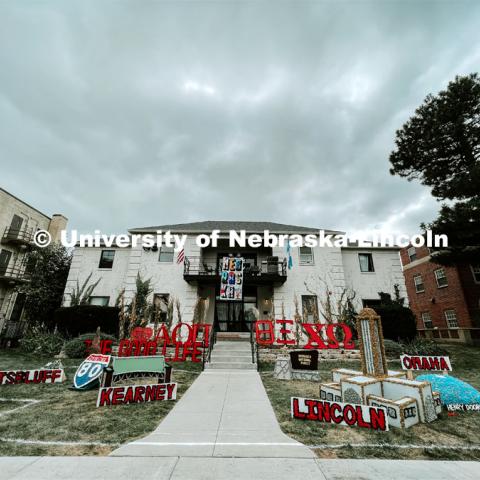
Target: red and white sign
x=417, y=362
x=363, y=416
x=136, y=394
x=56, y=375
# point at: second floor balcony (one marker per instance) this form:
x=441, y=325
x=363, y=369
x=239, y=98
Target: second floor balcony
x=268, y=271
x=18, y=236
x=14, y=274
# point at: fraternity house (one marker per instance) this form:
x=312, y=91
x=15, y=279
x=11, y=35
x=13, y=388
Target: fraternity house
x=277, y=282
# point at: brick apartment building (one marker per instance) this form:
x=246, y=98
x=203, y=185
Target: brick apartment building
x=445, y=300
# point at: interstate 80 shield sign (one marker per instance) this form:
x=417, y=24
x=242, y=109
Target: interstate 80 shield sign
x=90, y=370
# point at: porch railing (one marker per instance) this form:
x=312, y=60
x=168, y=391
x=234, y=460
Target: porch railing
x=194, y=265
x=18, y=235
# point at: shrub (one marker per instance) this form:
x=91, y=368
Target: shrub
x=398, y=322
x=76, y=348
x=393, y=349
x=74, y=321
x=42, y=342
x=423, y=346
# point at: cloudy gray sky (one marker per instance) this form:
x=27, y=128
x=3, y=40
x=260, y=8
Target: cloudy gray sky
x=126, y=114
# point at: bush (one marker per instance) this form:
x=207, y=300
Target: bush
x=76, y=348
x=393, y=349
x=74, y=321
x=423, y=346
x=398, y=322
x=42, y=342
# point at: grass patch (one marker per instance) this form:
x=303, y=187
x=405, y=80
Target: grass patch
x=65, y=415
x=462, y=429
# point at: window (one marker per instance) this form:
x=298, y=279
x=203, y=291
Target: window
x=427, y=320
x=106, y=259
x=310, y=308
x=102, y=301
x=366, y=262
x=418, y=281
x=412, y=253
x=441, y=278
x=306, y=256
x=5, y=256
x=451, y=318
x=476, y=273
x=160, y=302
x=166, y=254
x=15, y=227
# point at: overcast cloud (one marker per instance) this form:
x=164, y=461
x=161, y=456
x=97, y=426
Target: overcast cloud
x=127, y=114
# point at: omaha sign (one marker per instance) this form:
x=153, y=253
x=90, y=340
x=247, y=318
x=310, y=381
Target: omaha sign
x=417, y=362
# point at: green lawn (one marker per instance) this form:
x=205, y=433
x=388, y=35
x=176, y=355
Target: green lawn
x=460, y=430
x=65, y=415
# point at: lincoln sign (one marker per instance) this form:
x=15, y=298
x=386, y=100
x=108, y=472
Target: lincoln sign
x=373, y=418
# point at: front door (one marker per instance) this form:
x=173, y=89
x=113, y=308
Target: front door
x=236, y=316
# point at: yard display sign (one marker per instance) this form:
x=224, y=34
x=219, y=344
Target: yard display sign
x=125, y=395
x=13, y=377
x=90, y=371
x=363, y=416
x=423, y=362
x=231, y=278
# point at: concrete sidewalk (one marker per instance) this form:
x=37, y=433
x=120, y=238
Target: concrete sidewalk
x=210, y=468
x=224, y=413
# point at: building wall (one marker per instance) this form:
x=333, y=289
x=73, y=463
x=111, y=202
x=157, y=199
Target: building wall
x=333, y=271
x=436, y=300
x=32, y=221
x=367, y=285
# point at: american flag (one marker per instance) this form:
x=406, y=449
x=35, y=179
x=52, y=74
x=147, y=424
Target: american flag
x=181, y=256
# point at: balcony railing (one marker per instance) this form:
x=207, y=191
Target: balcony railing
x=269, y=270
x=18, y=236
x=14, y=274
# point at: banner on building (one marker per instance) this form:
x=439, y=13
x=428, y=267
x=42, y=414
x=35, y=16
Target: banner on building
x=231, y=278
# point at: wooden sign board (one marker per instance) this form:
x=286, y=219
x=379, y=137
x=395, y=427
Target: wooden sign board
x=124, y=395
x=13, y=377
x=363, y=416
x=424, y=362
x=304, y=359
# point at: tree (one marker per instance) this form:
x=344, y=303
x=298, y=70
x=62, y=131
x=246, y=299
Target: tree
x=440, y=146
x=81, y=295
x=44, y=292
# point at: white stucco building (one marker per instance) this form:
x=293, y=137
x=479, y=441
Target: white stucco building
x=269, y=285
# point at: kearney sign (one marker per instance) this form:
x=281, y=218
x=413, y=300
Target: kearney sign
x=136, y=394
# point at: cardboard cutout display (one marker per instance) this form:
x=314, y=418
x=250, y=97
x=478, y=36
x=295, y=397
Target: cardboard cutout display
x=426, y=362
x=124, y=395
x=90, y=370
x=371, y=417
x=43, y=375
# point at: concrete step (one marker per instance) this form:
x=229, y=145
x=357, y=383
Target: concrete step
x=233, y=336
x=231, y=357
x=230, y=366
x=232, y=346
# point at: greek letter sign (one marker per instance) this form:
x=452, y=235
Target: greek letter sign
x=90, y=370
